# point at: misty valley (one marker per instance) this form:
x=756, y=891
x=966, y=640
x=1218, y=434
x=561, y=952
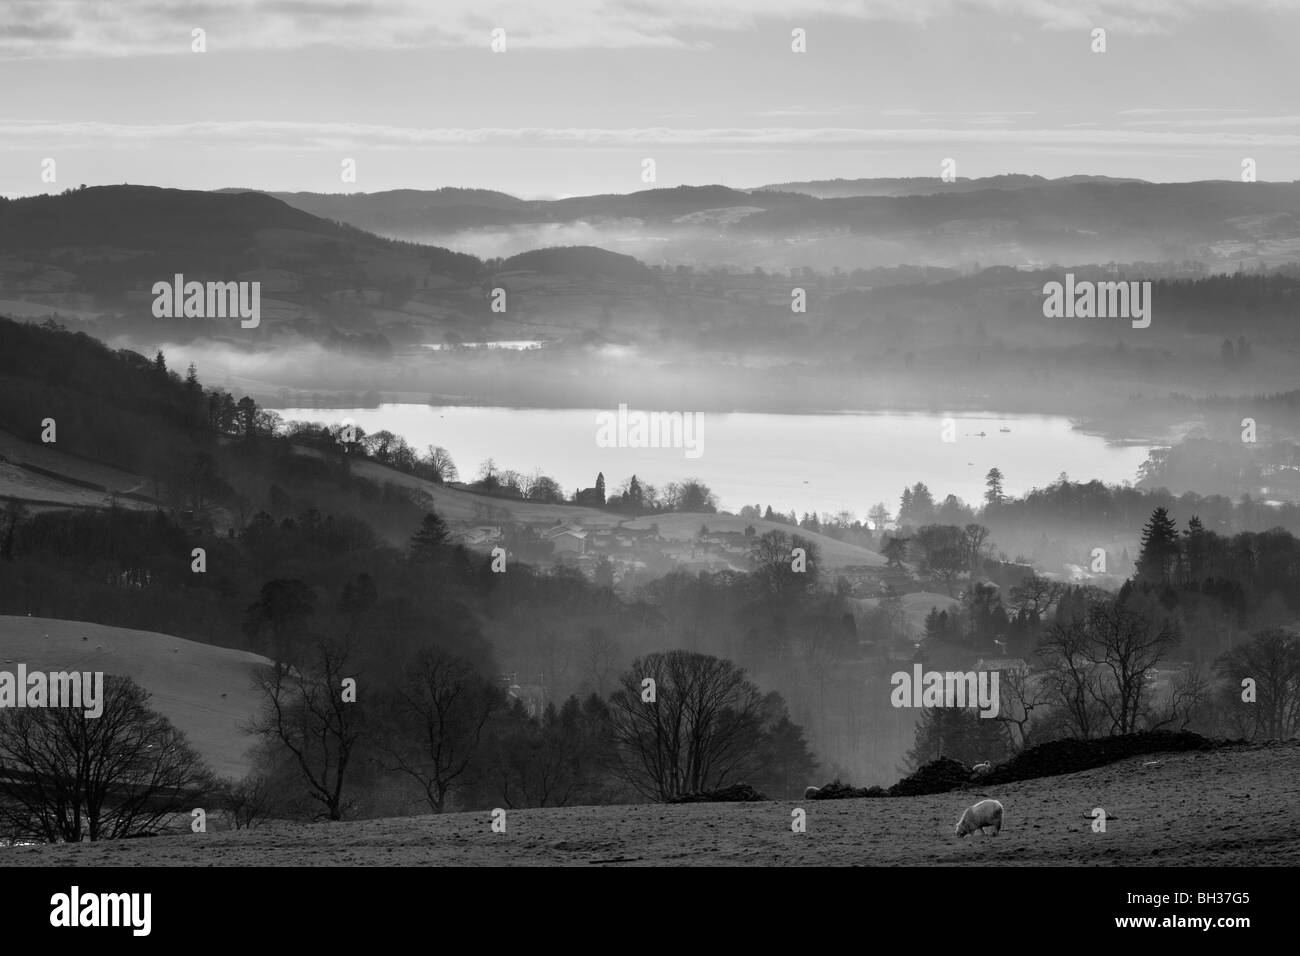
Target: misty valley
x=545, y=513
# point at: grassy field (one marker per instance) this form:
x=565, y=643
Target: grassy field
x=453, y=504
x=1236, y=806
x=456, y=505
x=30, y=486
x=205, y=691
x=683, y=527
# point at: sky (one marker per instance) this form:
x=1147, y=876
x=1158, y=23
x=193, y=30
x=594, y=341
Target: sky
x=285, y=91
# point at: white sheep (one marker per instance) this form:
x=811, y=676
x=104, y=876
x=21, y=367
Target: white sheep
x=984, y=767
x=986, y=813
x=811, y=792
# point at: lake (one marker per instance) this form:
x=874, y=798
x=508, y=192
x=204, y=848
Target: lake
x=805, y=462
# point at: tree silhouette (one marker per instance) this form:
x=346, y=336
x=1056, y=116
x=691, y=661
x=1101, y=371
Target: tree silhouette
x=993, y=496
x=69, y=777
x=702, y=731
x=1160, y=551
x=436, y=718
x=278, y=618
x=895, y=551
x=429, y=543
x=305, y=713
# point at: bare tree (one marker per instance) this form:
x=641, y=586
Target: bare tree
x=67, y=777
x=439, y=459
x=1022, y=693
x=1189, y=697
x=1098, y=666
x=1071, y=676
x=700, y=731
x=1127, y=646
x=249, y=801
x=434, y=722
x=305, y=713
x=1035, y=594
x=1272, y=661
x=976, y=537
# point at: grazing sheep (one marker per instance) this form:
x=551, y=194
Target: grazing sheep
x=811, y=792
x=984, y=767
x=986, y=813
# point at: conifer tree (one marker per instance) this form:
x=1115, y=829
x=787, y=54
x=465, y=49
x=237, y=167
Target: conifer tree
x=1159, y=554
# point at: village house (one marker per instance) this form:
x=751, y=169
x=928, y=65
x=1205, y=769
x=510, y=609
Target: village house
x=532, y=696
x=568, y=538
x=1002, y=664
x=481, y=535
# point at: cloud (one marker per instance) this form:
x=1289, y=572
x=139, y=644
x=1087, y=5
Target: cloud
x=795, y=111
x=271, y=135
x=59, y=28
x=1147, y=111
x=964, y=117
x=1228, y=122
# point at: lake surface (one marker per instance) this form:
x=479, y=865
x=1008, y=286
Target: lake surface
x=821, y=463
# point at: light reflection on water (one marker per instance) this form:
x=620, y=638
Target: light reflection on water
x=805, y=462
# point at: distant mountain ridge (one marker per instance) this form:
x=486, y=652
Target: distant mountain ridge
x=96, y=254
x=1010, y=219
x=700, y=262
x=149, y=218
x=924, y=185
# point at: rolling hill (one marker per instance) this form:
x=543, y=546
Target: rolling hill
x=42, y=475
x=457, y=505
x=1156, y=812
x=1076, y=218
x=922, y=185
x=584, y=261
x=205, y=691
x=683, y=527
x=108, y=245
